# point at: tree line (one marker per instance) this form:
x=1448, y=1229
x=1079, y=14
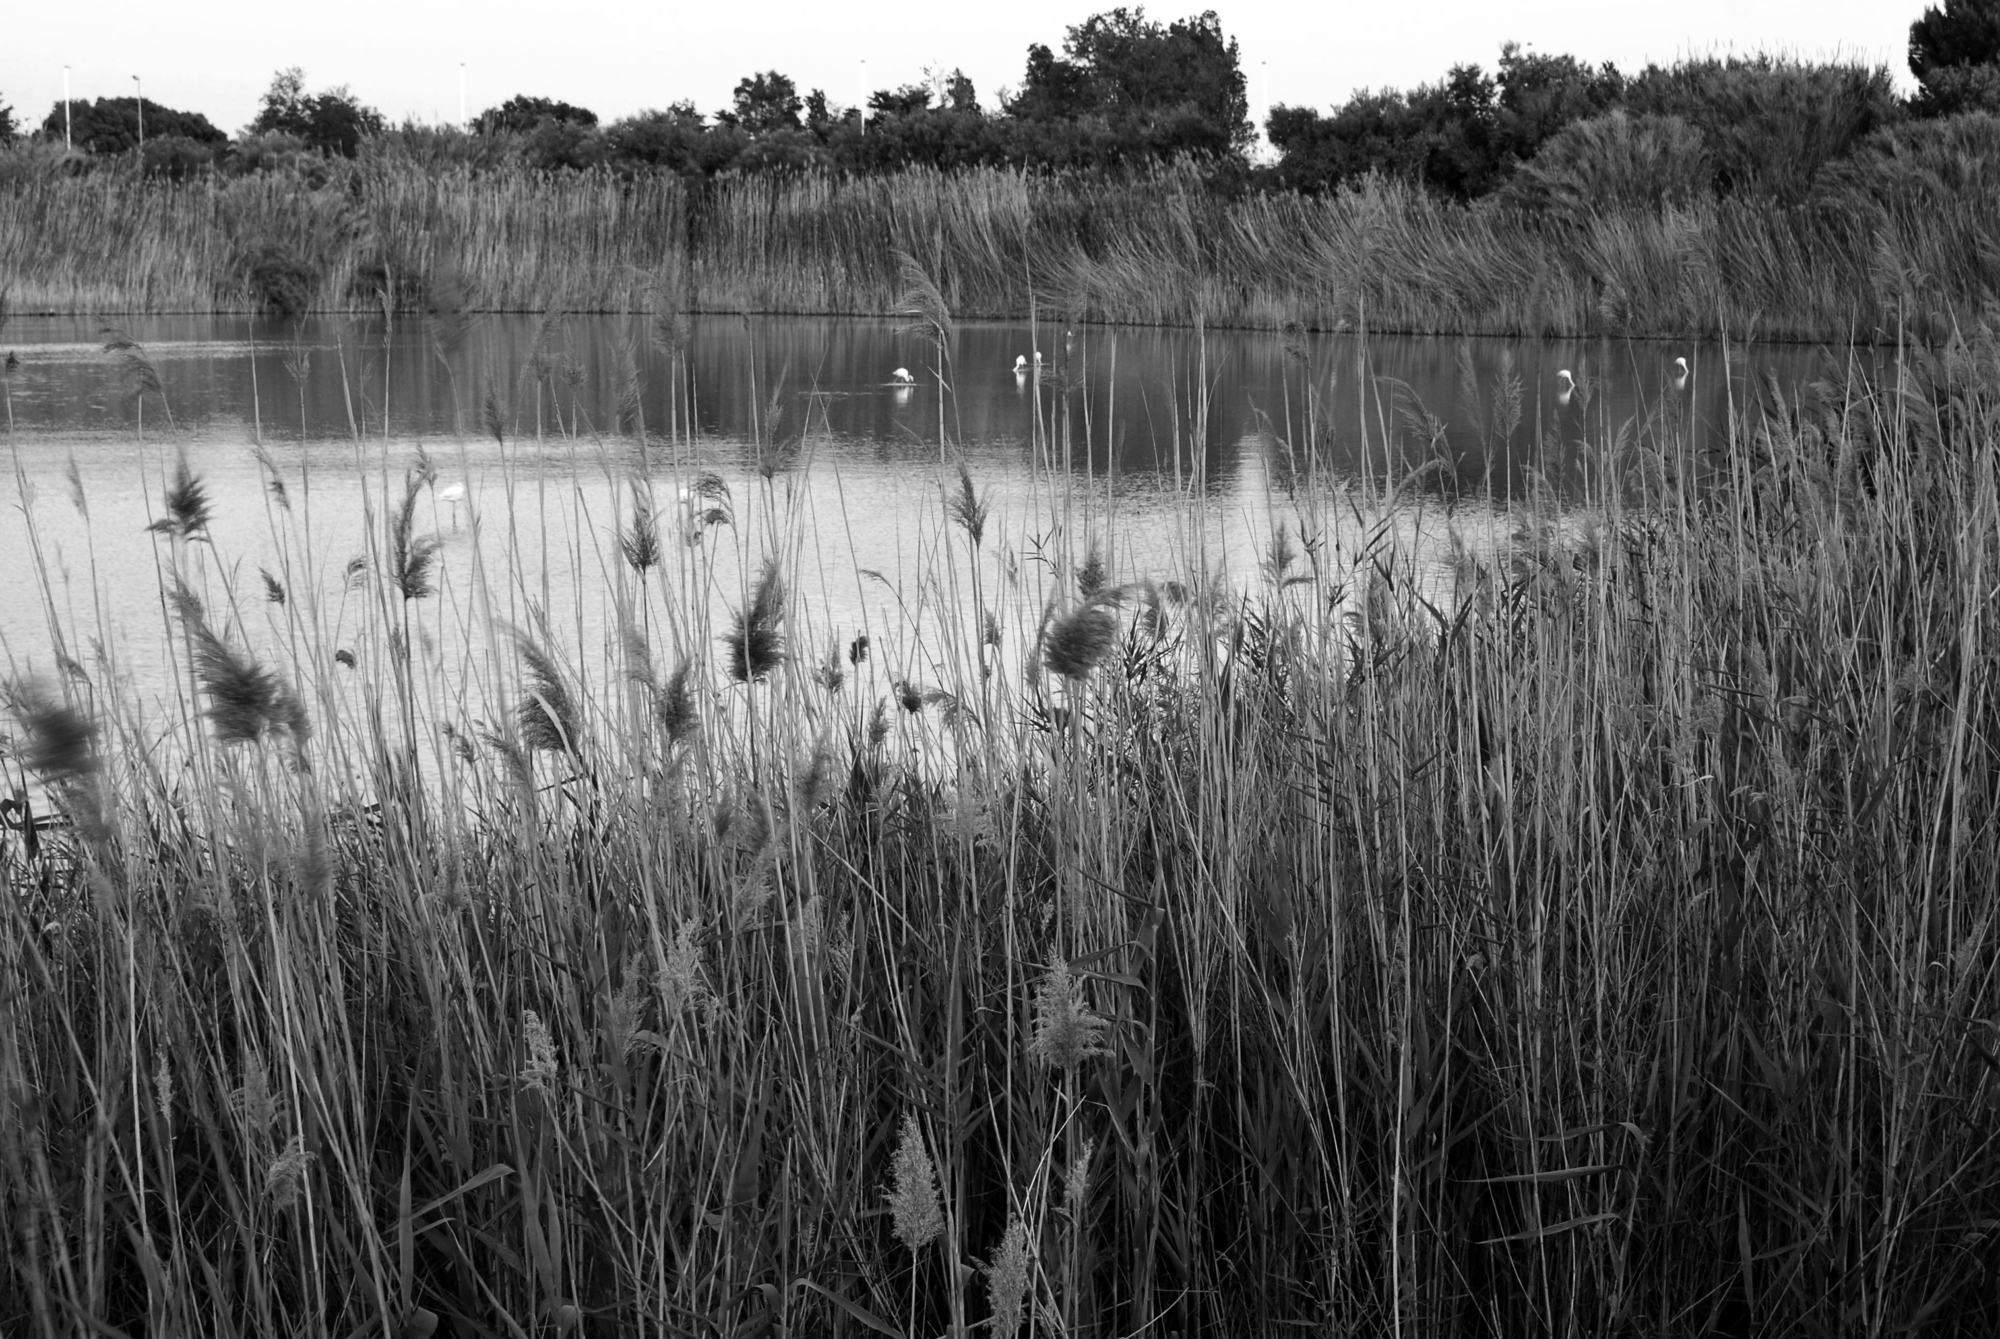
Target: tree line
x=1126, y=91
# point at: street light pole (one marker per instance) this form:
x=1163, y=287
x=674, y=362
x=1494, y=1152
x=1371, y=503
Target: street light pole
x=139, y=92
x=461, y=96
x=66, y=141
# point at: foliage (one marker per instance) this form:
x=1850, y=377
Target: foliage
x=570, y=145
x=765, y=102
x=1492, y=946
x=176, y=157
x=522, y=113
x=1170, y=88
x=8, y=127
x=1955, y=55
x=283, y=282
x=1613, y=164
x=111, y=125
x=332, y=122
x=1769, y=125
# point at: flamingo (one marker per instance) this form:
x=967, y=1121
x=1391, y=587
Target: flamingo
x=1681, y=377
x=451, y=495
x=1568, y=386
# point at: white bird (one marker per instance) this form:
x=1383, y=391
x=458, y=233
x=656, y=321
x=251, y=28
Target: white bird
x=1568, y=386
x=1681, y=377
x=451, y=495
x=1021, y=366
x=901, y=376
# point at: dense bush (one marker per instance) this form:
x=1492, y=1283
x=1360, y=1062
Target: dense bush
x=283, y=282
x=1613, y=163
x=1955, y=55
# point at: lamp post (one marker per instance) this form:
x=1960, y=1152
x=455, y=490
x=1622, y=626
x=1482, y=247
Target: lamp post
x=66, y=141
x=864, y=97
x=461, y=97
x=139, y=92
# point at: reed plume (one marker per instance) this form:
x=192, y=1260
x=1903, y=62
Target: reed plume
x=913, y=1198
x=969, y=507
x=246, y=701
x=547, y=714
x=1075, y=643
x=756, y=637
x=1066, y=1032
x=187, y=506
x=412, y=557
x=640, y=540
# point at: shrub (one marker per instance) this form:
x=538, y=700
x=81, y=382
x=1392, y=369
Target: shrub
x=176, y=157
x=1614, y=162
x=283, y=282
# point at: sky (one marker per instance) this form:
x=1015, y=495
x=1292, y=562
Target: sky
x=617, y=57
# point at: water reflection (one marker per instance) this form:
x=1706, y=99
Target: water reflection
x=1164, y=402
x=546, y=433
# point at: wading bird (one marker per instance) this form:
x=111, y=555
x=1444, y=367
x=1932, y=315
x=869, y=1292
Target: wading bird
x=451, y=495
x=1681, y=377
x=901, y=376
x=1568, y=386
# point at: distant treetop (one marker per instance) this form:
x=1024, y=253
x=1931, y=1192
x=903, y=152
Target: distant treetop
x=521, y=113
x=332, y=122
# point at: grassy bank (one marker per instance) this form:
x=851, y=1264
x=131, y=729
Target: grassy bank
x=1874, y=256
x=1603, y=942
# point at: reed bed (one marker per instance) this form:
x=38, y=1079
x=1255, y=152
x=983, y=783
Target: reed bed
x=1164, y=249
x=1598, y=939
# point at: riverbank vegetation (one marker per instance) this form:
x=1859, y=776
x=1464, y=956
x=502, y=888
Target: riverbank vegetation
x=1891, y=244
x=1597, y=938
x=1754, y=197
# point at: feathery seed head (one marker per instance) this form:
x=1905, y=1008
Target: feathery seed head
x=1007, y=1278
x=913, y=1200
x=1066, y=1031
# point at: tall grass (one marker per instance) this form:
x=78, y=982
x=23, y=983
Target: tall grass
x=1600, y=938
x=1852, y=263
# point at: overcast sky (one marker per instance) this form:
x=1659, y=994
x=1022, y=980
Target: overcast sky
x=619, y=56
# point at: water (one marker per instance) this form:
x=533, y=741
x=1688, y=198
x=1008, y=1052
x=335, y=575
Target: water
x=1106, y=447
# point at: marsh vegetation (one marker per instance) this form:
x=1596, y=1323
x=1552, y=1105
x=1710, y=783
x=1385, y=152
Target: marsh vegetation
x=1600, y=941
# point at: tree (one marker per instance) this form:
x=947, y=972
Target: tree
x=765, y=102
x=1161, y=89
x=905, y=101
x=1540, y=95
x=332, y=122
x=1955, y=55
x=7, y=128
x=521, y=114
x=111, y=125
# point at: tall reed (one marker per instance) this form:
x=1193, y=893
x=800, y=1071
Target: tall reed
x=1162, y=249
x=1600, y=937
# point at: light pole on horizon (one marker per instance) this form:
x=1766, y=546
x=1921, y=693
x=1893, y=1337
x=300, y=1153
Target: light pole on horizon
x=66, y=142
x=461, y=95
x=864, y=97
x=139, y=93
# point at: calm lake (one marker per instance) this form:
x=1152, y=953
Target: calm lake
x=826, y=460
